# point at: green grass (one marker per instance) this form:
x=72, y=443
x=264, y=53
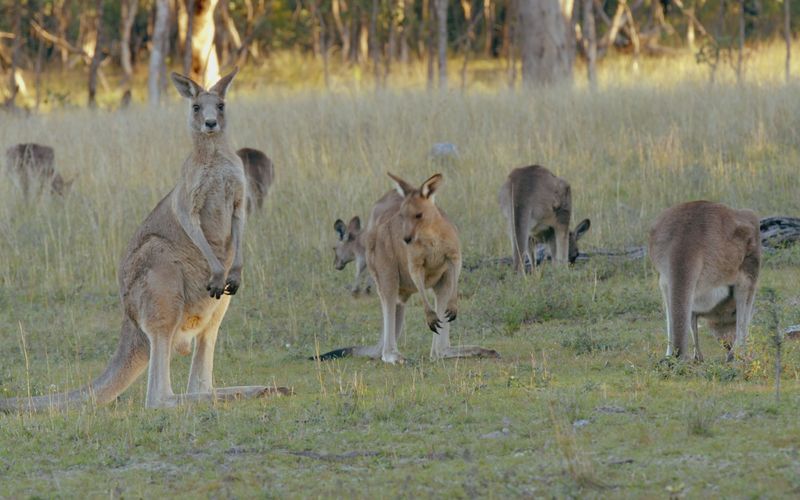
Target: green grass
x=580, y=403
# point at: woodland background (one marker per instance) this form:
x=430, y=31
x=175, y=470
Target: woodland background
x=110, y=47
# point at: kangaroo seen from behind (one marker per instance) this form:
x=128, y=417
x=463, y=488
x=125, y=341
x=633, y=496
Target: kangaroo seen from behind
x=708, y=258
x=259, y=173
x=537, y=203
x=412, y=246
x=178, y=272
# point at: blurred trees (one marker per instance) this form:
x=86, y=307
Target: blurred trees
x=201, y=35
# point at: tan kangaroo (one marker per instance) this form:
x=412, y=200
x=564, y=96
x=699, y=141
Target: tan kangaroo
x=31, y=168
x=350, y=247
x=708, y=258
x=259, y=173
x=179, y=272
x=413, y=246
x=539, y=204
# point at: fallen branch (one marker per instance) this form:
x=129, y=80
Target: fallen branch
x=778, y=231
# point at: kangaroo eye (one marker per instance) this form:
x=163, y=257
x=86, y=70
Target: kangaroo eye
x=418, y=216
x=221, y=106
x=196, y=108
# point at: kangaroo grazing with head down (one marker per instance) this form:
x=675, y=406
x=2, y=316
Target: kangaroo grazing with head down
x=411, y=246
x=350, y=247
x=539, y=204
x=31, y=168
x=178, y=273
x=708, y=258
x=259, y=174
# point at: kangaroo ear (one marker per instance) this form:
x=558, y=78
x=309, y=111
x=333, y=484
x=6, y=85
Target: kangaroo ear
x=221, y=87
x=354, y=226
x=187, y=87
x=581, y=228
x=430, y=186
x=338, y=226
x=402, y=186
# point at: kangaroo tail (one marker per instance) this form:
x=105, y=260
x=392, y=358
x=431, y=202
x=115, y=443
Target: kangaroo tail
x=357, y=350
x=128, y=362
x=334, y=354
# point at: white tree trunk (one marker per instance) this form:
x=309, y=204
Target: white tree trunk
x=591, y=42
x=547, y=45
x=205, y=66
x=129, y=8
x=159, y=43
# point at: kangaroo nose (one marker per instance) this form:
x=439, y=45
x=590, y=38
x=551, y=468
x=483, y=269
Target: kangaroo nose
x=407, y=239
x=211, y=123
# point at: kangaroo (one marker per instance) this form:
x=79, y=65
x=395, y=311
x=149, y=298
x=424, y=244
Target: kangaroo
x=349, y=247
x=708, y=258
x=411, y=246
x=539, y=204
x=178, y=273
x=259, y=173
x=31, y=168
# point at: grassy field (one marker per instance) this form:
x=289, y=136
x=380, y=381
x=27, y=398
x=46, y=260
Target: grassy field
x=579, y=404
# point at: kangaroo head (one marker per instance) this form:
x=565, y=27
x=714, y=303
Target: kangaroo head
x=418, y=209
x=345, y=249
x=59, y=186
x=574, y=236
x=207, y=112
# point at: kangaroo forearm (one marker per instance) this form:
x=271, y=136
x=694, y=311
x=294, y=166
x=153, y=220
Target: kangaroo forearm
x=195, y=233
x=419, y=282
x=238, y=229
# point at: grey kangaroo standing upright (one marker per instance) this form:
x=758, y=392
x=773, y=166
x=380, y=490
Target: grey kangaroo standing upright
x=178, y=273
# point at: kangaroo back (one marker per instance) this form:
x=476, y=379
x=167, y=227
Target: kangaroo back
x=260, y=174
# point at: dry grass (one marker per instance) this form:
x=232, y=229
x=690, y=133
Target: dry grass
x=429, y=429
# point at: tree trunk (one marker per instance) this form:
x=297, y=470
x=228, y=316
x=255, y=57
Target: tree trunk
x=61, y=10
x=441, y=38
x=344, y=31
x=16, y=49
x=129, y=8
x=97, y=56
x=157, y=51
x=407, y=7
x=205, y=65
x=187, y=36
x=740, y=59
x=391, y=43
x=787, y=34
x=547, y=53
x=488, y=18
x=313, y=7
x=591, y=42
x=428, y=10
x=374, y=43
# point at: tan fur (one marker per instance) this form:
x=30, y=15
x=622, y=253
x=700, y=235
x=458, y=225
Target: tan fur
x=538, y=204
x=411, y=246
x=32, y=170
x=708, y=257
x=350, y=247
x=178, y=272
x=259, y=173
